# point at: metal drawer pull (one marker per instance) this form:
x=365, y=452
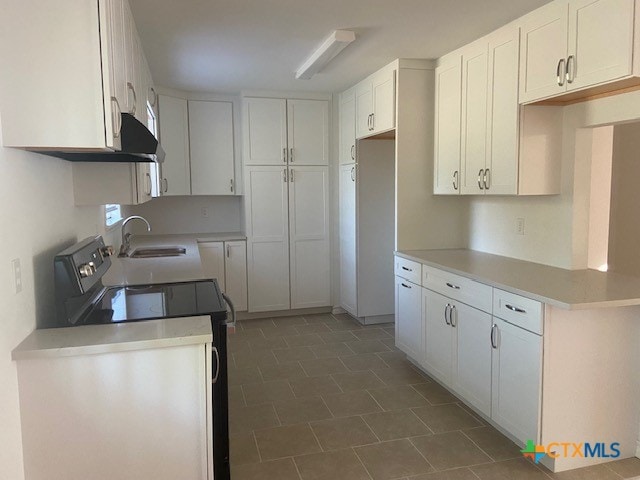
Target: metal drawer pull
x=407, y=269
x=135, y=98
x=353, y=174
x=231, y=185
x=494, y=330
x=284, y=175
x=217, y=354
x=487, y=179
x=455, y=180
x=515, y=309
x=291, y=154
x=480, y=176
x=560, y=68
x=570, y=68
x=353, y=152
x=446, y=314
x=292, y=179
x=453, y=323
x=284, y=154
x=451, y=285
x=405, y=286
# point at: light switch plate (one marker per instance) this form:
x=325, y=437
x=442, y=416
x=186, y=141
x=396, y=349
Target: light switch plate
x=520, y=226
x=17, y=274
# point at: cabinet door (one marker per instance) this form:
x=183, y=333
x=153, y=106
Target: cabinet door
x=347, y=127
x=516, y=381
x=174, y=136
x=265, y=131
x=502, y=114
x=348, y=262
x=308, y=132
x=309, y=236
x=212, y=258
x=383, y=87
x=473, y=355
x=364, y=108
x=235, y=273
x=409, y=325
x=131, y=61
x=600, y=41
x=439, y=336
x=211, y=147
x=474, y=119
x=543, y=53
x=266, y=203
x=447, y=127
x=144, y=181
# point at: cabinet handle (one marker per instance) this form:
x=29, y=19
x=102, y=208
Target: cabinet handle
x=446, y=314
x=353, y=174
x=455, y=180
x=284, y=175
x=118, y=118
x=570, y=73
x=480, y=175
x=148, y=175
x=494, y=341
x=452, y=310
x=515, y=309
x=405, y=286
x=373, y=121
x=486, y=178
x=560, y=68
x=228, y=251
x=292, y=178
x=369, y=122
x=451, y=285
x=291, y=155
x=154, y=96
x=407, y=269
x=135, y=98
x=231, y=184
x=217, y=355
x=284, y=154
x=353, y=152
x=166, y=185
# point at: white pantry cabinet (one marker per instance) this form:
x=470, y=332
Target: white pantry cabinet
x=227, y=262
x=348, y=239
x=174, y=137
x=211, y=148
x=347, y=122
x=376, y=103
x=308, y=132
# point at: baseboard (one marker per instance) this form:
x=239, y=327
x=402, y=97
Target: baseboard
x=338, y=311
x=282, y=313
x=377, y=319
x=638, y=448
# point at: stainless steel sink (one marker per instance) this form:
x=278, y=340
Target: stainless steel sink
x=154, y=252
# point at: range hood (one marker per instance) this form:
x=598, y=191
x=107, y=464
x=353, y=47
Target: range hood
x=138, y=145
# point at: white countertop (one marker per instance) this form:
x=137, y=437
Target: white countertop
x=95, y=339
x=568, y=289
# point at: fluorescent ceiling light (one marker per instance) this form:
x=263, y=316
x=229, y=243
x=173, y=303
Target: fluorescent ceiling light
x=331, y=47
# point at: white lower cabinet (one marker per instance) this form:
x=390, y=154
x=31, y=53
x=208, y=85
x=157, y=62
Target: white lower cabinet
x=516, y=380
x=227, y=262
x=438, y=336
x=409, y=326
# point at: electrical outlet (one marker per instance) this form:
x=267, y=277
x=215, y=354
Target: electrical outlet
x=205, y=212
x=17, y=274
x=519, y=226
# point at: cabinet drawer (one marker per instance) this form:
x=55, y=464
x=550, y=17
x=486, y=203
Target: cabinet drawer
x=520, y=311
x=459, y=288
x=408, y=270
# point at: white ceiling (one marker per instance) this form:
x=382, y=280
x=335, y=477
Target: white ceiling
x=234, y=45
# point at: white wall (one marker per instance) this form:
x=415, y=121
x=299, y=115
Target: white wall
x=38, y=219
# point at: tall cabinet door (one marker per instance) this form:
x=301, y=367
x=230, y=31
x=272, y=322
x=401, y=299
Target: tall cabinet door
x=447, y=127
x=266, y=202
x=211, y=143
x=502, y=113
x=439, y=335
x=174, y=137
x=347, y=107
x=474, y=118
x=265, y=131
x=235, y=273
x=308, y=132
x=600, y=41
x=212, y=258
x=309, y=236
x=348, y=262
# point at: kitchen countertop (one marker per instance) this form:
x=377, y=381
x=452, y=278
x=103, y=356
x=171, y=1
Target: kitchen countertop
x=123, y=337
x=567, y=289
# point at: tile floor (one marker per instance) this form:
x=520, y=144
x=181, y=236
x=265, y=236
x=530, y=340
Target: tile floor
x=322, y=398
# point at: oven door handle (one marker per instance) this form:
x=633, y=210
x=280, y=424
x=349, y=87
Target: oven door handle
x=231, y=324
x=217, y=354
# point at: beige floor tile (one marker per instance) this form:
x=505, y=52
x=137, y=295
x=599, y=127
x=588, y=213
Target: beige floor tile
x=446, y=418
x=270, y=343
x=474, y=414
x=493, y=443
x=243, y=420
x=395, y=425
x=286, y=321
x=364, y=361
x=342, y=325
x=236, y=397
x=396, y=398
x=371, y=334
x=302, y=410
x=338, y=337
x=304, y=340
x=338, y=465
x=323, y=366
x=339, y=433
x=518, y=469
x=254, y=358
x=450, y=450
x=391, y=343
x=240, y=376
x=455, y=474
x=320, y=318
x=267, y=392
x=405, y=375
x=244, y=335
x=314, y=386
x=253, y=324
x=278, y=332
x=294, y=354
x=243, y=449
x=435, y=393
x=277, y=470
x=331, y=350
x=237, y=346
x=313, y=328
x=391, y=329
x=395, y=459
x=351, y=403
x=598, y=472
x=627, y=468
x=357, y=381
x=287, y=371
x=288, y=441
x=367, y=346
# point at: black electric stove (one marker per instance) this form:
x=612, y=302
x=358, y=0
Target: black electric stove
x=82, y=299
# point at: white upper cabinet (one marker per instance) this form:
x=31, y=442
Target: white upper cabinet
x=347, y=122
x=376, y=103
x=448, y=104
x=308, y=132
x=174, y=137
x=265, y=131
x=211, y=148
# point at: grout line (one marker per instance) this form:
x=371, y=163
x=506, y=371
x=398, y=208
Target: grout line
x=420, y=453
x=479, y=447
x=255, y=441
x=361, y=462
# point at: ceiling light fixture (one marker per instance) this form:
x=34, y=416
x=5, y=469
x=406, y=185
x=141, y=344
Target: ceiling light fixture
x=331, y=47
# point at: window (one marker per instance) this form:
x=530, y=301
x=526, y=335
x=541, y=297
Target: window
x=113, y=214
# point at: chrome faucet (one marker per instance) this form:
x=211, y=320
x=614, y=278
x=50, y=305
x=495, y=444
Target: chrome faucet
x=126, y=237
